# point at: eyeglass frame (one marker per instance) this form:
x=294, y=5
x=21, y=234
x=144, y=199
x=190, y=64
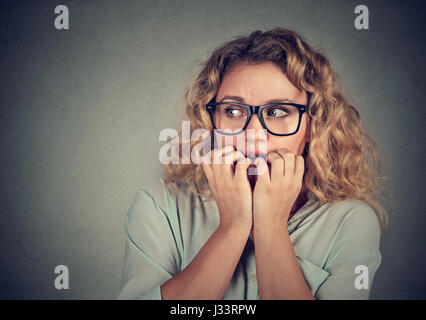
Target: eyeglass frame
x=211, y=106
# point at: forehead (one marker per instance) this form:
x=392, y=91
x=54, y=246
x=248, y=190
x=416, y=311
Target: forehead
x=258, y=82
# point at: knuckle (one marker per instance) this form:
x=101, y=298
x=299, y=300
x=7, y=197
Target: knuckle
x=240, y=163
x=268, y=188
x=236, y=155
x=272, y=155
x=205, y=159
x=289, y=155
x=239, y=154
x=227, y=149
x=235, y=188
x=277, y=160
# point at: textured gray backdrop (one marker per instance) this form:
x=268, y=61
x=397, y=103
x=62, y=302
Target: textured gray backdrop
x=82, y=109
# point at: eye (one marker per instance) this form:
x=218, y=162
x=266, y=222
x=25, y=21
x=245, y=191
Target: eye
x=276, y=112
x=234, y=112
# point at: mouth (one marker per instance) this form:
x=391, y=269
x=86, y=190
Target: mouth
x=255, y=156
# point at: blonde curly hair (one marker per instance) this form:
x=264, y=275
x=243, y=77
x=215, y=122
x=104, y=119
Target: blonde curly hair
x=341, y=161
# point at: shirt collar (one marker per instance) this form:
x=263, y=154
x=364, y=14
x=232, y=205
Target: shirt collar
x=310, y=206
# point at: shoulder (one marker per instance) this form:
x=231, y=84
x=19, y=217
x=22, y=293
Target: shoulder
x=153, y=190
x=154, y=207
x=343, y=217
x=348, y=211
x=339, y=218
x=163, y=196
x=149, y=202
x=157, y=190
x=354, y=218
x=354, y=212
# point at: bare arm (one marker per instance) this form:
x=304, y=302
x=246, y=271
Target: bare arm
x=209, y=273
x=278, y=272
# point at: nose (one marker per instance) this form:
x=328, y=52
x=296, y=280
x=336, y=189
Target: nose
x=256, y=133
x=256, y=129
x=254, y=123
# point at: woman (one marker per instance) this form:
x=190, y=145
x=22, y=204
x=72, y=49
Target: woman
x=307, y=227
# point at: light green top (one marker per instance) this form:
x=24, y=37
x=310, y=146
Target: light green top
x=166, y=228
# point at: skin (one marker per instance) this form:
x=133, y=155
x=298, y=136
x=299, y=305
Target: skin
x=264, y=205
x=255, y=85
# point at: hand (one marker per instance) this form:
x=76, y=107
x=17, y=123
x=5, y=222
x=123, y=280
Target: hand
x=275, y=193
x=230, y=186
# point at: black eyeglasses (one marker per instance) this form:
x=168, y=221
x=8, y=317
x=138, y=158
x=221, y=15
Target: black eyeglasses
x=280, y=119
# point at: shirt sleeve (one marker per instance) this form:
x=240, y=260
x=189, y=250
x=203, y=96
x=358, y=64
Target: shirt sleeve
x=354, y=257
x=151, y=255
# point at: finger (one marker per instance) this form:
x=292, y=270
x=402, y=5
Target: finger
x=225, y=169
x=228, y=155
x=238, y=157
x=218, y=153
x=277, y=165
x=289, y=159
x=241, y=169
x=230, y=159
x=262, y=171
x=196, y=157
x=207, y=158
x=300, y=166
x=207, y=168
x=217, y=161
x=217, y=166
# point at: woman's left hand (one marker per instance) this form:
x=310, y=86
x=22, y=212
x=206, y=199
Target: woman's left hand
x=277, y=189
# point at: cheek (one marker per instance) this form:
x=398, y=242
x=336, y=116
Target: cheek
x=294, y=144
x=223, y=140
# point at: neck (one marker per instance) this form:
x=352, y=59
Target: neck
x=300, y=201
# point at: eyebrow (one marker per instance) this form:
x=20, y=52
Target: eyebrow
x=239, y=99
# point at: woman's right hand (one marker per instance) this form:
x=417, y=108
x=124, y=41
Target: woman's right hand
x=231, y=190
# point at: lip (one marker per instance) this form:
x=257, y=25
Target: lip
x=255, y=154
x=255, y=148
x=253, y=158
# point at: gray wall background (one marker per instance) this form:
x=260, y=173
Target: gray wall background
x=82, y=109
